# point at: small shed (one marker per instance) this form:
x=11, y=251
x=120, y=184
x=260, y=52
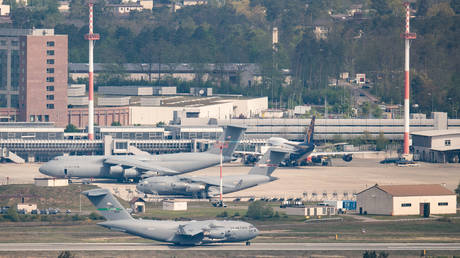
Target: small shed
x=27, y=208
x=137, y=205
x=393, y=200
x=174, y=205
x=312, y=211
x=51, y=182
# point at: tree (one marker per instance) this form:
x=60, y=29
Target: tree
x=259, y=210
x=115, y=123
x=381, y=142
x=12, y=214
x=70, y=128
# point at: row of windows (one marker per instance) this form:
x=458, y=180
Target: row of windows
x=39, y=118
x=410, y=204
x=13, y=43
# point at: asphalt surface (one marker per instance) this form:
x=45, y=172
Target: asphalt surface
x=227, y=247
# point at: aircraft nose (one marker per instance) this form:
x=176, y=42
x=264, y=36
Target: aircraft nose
x=48, y=169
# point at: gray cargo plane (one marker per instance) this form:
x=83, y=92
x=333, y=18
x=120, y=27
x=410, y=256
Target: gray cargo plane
x=177, y=232
x=124, y=168
x=204, y=187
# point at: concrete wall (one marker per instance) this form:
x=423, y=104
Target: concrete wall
x=439, y=141
x=374, y=201
x=415, y=201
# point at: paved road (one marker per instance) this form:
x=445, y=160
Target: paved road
x=227, y=247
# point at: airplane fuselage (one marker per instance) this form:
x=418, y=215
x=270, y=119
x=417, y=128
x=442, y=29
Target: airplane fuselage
x=174, y=186
x=169, y=231
x=95, y=167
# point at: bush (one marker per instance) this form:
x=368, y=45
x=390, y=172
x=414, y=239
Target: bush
x=66, y=254
x=76, y=217
x=224, y=214
x=259, y=210
x=12, y=215
x=95, y=216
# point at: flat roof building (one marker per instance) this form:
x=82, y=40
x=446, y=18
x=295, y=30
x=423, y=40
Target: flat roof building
x=437, y=145
x=407, y=200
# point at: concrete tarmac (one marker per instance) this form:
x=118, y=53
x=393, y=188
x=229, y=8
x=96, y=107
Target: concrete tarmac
x=227, y=246
x=343, y=178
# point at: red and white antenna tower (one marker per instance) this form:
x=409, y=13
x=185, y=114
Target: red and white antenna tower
x=407, y=36
x=91, y=37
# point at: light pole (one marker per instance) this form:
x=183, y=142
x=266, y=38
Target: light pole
x=431, y=94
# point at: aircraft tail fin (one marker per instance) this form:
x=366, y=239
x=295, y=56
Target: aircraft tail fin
x=310, y=131
x=107, y=204
x=269, y=162
x=228, y=140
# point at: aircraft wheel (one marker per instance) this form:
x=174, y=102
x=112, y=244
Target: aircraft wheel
x=69, y=181
x=248, y=243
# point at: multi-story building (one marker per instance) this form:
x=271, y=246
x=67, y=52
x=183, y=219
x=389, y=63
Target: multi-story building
x=33, y=75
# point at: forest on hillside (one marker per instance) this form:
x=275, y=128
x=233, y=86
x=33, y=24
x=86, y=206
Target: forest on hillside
x=239, y=31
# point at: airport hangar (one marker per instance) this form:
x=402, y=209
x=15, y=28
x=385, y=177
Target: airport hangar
x=406, y=200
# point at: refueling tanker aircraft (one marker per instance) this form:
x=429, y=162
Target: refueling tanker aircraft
x=176, y=232
x=208, y=186
x=135, y=167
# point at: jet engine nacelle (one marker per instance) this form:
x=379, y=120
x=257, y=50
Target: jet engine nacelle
x=218, y=233
x=179, y=185
x=347, y=158
x=192, y=188
x=130, y=173
x=116, y=171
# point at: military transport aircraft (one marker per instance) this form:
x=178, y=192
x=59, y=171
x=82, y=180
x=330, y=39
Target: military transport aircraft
x=135, y=167
x=177, y=232
x=208, y=186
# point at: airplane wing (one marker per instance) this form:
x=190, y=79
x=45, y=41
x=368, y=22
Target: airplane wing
x=190, y=229
x=141, y=166
x=205, y=180
x=253, y=153
x=332, y=153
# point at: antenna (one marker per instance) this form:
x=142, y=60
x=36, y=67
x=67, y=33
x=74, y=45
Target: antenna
x=407, y=36
x=91, y=37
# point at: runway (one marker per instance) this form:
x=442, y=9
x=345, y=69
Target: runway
x=227, y=247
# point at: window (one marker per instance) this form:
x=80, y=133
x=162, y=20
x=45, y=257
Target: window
x=15, y=43
x=11, y=135
x=39, y=118
x=125, y=135
x=50, y=106
x=49, y=79
x=443, y=203
x=51, y=135
x=49, y=88
x=50, y=52
x=50, y=61
x=47, y=118
x=139, y=135
x=32, y=118
x=447, y=142
x=50, y=97
x=3, y=42
x=49, y=70
x=50, y=43
x=406, y=205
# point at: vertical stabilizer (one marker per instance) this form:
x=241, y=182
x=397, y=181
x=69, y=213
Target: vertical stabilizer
x=269, y=162
x=107, y=205
x=311, y=129
x=229, y=140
